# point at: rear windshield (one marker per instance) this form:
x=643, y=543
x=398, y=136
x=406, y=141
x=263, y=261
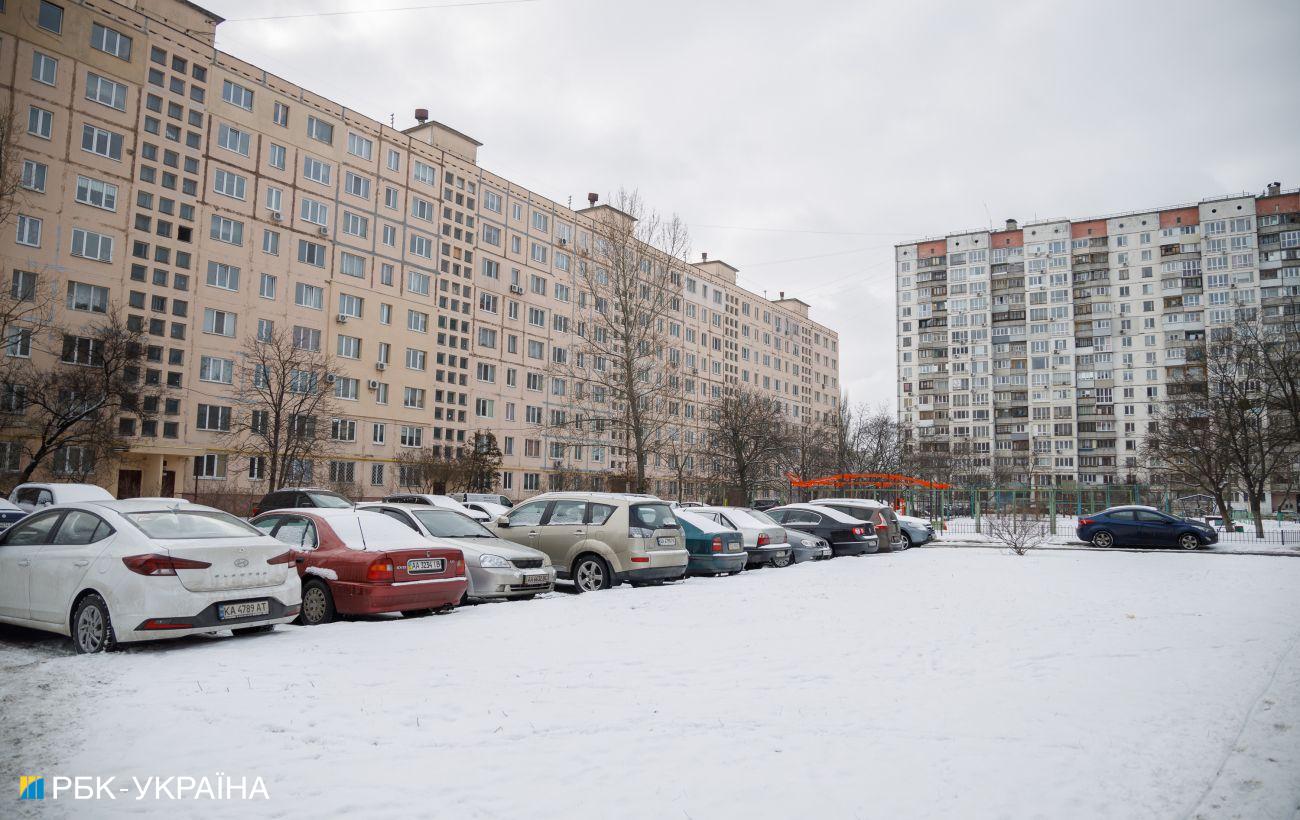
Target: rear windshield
x=186, y=524
x=762, y=517
x=329, y=500
x=373, y=531
x=450, y=524
x=653, y=516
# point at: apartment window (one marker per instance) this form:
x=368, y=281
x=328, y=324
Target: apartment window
x=352, y=265
x=315, y=212
x=390, y=236
x=270, y=243
x=346, y=387
x=411, y=436
x=418, y=282
x=223, y=276
x=487, y=337
x=90, y=245
x=23, y=286
x=484, y=408
x=424, y=173
x=309, y=296
x=311, y=253
x=491, y=234
x=394, y=159
x=390, y=197
x=45, y=69
x=230, y=184
x=50, y=17
x=422, y=209
x=415, y=359
x=417, y=321
x=492, y=201
x=34, y=174
x=315, y=170
x=359, y=146
x=232, y=139
x=97, y=193
x=539, y=253
x=280, y=115
x=216, y=369
x=541, y=221
x=40, y=123
x=320, y=130
x=486, y=372
x=218, y=322
x=110, y=41
x=413, y=397
x=210, y=466
x=19, y=346
x=214, y=417
x=356, y=185
x=29, y=231
x=355, y=225
x=421, y=246
x=227, y=230
x=274, y=199
x=90, y=298
x=101, y=142
x=105, y=92
x=277, y=156
x=236, y=94
x=488, y=302
x=491, y=268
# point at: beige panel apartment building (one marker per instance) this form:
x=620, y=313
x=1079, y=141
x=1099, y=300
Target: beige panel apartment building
x=211, y=201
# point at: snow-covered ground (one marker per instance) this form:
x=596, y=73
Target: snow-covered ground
x=1279, y=536
x=960, y=683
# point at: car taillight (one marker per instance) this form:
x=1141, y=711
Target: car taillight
x=155, y=564
x=640, y=532
x=717, y=543
x=859, y=530
x=763, y=540
x=282, y=558
x=1084, y=522
x=380, y=569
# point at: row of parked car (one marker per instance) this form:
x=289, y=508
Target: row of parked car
x=106, y=571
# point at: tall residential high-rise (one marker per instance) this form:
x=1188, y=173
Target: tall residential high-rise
x=211, y=201
x=1036, y=353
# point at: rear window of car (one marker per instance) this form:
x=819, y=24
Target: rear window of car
x=653, y=516
x=373, y=531
x=450, y=524
x=190, y=524
x=762, y=517
x=329, y=501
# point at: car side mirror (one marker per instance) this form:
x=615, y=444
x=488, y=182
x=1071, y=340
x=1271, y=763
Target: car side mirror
x=503, y=521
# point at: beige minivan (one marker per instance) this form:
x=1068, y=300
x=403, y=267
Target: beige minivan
x=599, y=540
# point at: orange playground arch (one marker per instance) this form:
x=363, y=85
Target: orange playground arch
x=850, y=481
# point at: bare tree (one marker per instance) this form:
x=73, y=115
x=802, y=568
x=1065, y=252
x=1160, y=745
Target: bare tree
x=844, y=437
x=623, y=369
x=879, y=440
x=284, y=403
x=749, y=436
x=65, y=406
x=431, y=470
x=1017, y=527
x=1187, y=443
x=809, y=453
x=482, y=461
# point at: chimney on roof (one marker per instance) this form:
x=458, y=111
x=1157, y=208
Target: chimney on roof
x=592, y=199
x=1011, y=225
x=421, y=115
x=782, y=294
x=704, y=257
x=1273, y=189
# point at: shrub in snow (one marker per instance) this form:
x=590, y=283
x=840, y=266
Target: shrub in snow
x=1018, y=528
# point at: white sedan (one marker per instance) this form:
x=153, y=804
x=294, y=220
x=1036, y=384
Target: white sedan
x=109, y=572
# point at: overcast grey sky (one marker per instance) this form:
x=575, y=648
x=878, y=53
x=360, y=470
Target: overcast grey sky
x=801, y=140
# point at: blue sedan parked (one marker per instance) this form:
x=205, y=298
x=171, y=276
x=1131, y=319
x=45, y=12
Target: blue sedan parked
x=1143, y=527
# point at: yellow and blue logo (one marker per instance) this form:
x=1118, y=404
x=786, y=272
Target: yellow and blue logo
x=31, y=787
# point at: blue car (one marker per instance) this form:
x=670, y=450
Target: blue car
x=714, y=549
x=1144, y=527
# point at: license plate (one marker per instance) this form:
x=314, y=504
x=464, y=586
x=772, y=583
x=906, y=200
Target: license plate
x=247, y=609
x=530, y=580
x=667, y=541
x=423, y=566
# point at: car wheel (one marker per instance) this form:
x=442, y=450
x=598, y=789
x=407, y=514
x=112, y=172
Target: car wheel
x=782, y=561
x=1103, y=539
x=253, y=630
x=591, y=573
x=92, y=631
x=1189, y=541
x=317, y=604
x=907, y=542
x=416, y=613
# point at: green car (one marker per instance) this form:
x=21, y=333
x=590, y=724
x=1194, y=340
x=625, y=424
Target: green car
x=713, y=548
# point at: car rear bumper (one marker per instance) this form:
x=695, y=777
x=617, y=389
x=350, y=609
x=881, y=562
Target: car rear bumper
x=193, y=613
x=872, y=544
x=371, y=599
x=715, y=563
x=494, y=583
x=800, y=553
x=765, y=555
x=637, y=576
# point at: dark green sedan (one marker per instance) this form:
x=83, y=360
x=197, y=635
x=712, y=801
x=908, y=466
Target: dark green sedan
x=714, y=549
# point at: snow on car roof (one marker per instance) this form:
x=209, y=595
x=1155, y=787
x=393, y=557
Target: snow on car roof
x=833, y=514
x=866, y=502
x=700, y=522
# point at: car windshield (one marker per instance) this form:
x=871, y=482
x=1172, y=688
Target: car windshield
x=329, y=501
x=450, y=524
x=187, y=524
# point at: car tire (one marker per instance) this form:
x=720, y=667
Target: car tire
x=907, y=542
x=1103, y=539
x=782, y=562
x=1189, y=541
x=317, y=604
x=253, y=630
x=591, y=573
x=416, y=613
x=92, y=630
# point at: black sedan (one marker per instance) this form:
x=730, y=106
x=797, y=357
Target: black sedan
x=846, y=535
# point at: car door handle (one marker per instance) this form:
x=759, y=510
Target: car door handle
x=579, y=532
x=24, y=563
x=81, y=563
x=532, y=532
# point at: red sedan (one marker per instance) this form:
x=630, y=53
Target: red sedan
x=359, y=562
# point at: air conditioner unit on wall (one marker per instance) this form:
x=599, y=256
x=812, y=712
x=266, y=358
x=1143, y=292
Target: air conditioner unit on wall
x=516, y=289
x=381, y=366
x=373, y=384
x=342, y=318
x=324, y=231
x=275, y=216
